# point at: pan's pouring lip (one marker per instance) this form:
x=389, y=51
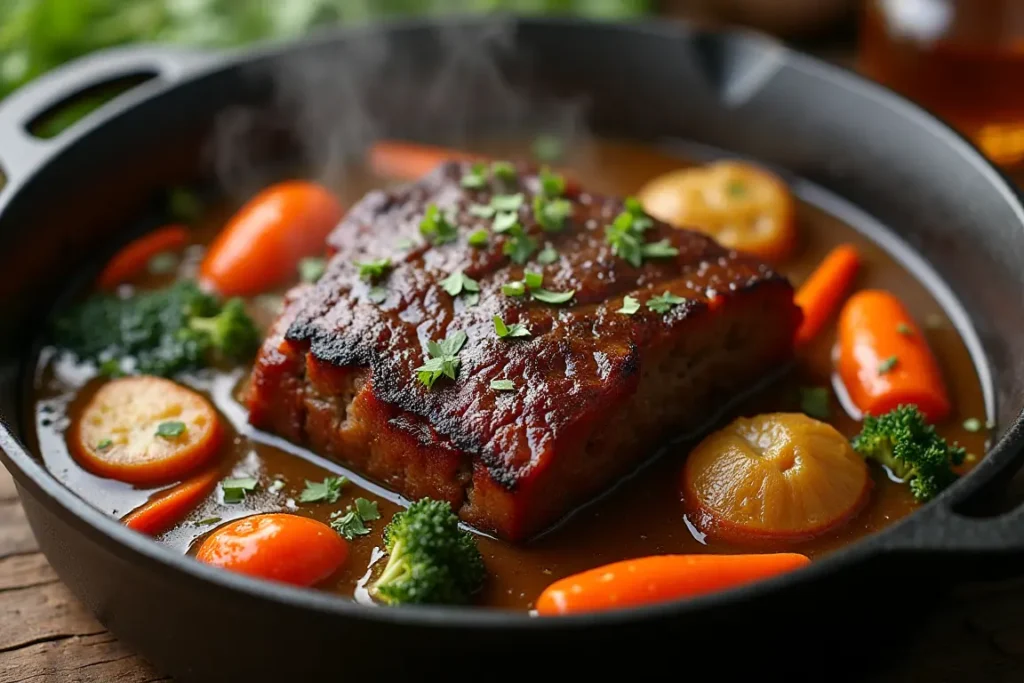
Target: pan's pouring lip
x=106, y=531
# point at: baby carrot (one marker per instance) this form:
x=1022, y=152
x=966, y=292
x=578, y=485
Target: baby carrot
x=659, y=578
x=134, y=257
x=819, y=296
x=261, y=246
x=884, y=360
x=167, y=508
x=410, y=161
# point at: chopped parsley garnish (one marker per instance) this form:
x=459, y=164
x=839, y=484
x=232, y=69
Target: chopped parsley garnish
x=736, y=188
x=551, y=214
x=516, y=288
x=533, y=280
x=352, y=522
x=504, y=171
x=458, y=282
x=553, y=297
x=435, y=227
x=371, y=270
x=481, y=211
x=519, y=246
x=476, y=178
x=973, y=424
x=104, y=444
x=326, y=491
x=904, y=329
x=625, y=240
x=170, y=430
x=664, y=303
x=471, y=299
x=208, y=521
x=513, y=330
x=660, y=249
x=629, y=306
x=507, y=202
x=814, y=402
x=887, y=364
x=444, y=359
x=478, y=238
x=235, y=490
x=547, y=148
x=503, y=222
x=164, y=263
x=377, y=295
x=312, y=269
x=502, y=385
x=547, y=255
x=551, y=184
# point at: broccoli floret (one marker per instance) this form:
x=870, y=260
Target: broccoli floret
x=158, y=332
x=911, y=448
x=431, y=559
x=231, y=332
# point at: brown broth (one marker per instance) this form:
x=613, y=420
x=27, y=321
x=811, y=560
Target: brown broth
x=641, y=516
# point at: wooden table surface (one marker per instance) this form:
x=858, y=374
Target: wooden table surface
x=975, y=636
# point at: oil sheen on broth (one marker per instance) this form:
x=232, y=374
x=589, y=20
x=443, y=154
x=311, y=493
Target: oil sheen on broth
x=641, y=516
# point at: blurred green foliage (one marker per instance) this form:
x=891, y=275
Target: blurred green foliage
x=37, y=35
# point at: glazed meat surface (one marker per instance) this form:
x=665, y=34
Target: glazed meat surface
x=595, y=391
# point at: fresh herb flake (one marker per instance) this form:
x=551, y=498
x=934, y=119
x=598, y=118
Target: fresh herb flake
x=513, y=288
x=549, y=297
x=533, y=280
x=208, y=521
x=478, y=238
x=476, y=178
x=629, y=306
x=664, y=303
x=377, y=295
x=436, y=228
x=973, y=424
x=459, y=282
x=471, y=299
x=353, y=521
x=519, y=247
x=443, y=359
x=235, y=490
x=547, y=255
x=551, y=214
x=504, y=171
x=104, y=444
x=502, y=385
x=170, y=430
x=312, y=269
x=660, y=249
x=888, y=364
x=503, y=222
x=367, y=509
x=904, y=329
x=551, y=184
x=373, y=270
x=507, y=202
x=326, y=491
x=814, y=401
x=482, y=211
x=513, y=330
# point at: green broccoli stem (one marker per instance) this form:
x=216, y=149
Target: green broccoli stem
x=396, y=568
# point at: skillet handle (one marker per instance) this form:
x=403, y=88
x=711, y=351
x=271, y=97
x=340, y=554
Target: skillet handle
x=22, y=153
x=986, y=547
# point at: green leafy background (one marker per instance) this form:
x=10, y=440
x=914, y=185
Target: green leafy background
x=37, y=35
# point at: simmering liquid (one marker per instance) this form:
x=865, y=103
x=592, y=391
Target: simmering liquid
x=963, y=59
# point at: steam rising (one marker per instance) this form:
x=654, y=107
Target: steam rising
x=450, y=84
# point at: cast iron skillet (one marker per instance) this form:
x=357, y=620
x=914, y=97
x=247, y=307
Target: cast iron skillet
x=740, y=93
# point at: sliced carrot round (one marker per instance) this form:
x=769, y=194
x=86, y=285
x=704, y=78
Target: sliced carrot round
x=166, y=508
x=278, y=547
x=740, y=205
x=145, y=430
x=778, y=476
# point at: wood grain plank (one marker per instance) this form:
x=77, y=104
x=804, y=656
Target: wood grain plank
x=15, y=535
x=7, y=490
x=41, y=613
x=79, y=659
x=25, y=571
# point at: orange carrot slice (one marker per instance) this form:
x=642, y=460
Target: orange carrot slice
x=145, y=430
x=659, y=578
x=132, y=260
x=166, y=508
x=885, y=361
x=411, y=161
x=820, y=295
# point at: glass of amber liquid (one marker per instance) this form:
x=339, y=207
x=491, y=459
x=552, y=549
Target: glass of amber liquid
x=962, y=59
